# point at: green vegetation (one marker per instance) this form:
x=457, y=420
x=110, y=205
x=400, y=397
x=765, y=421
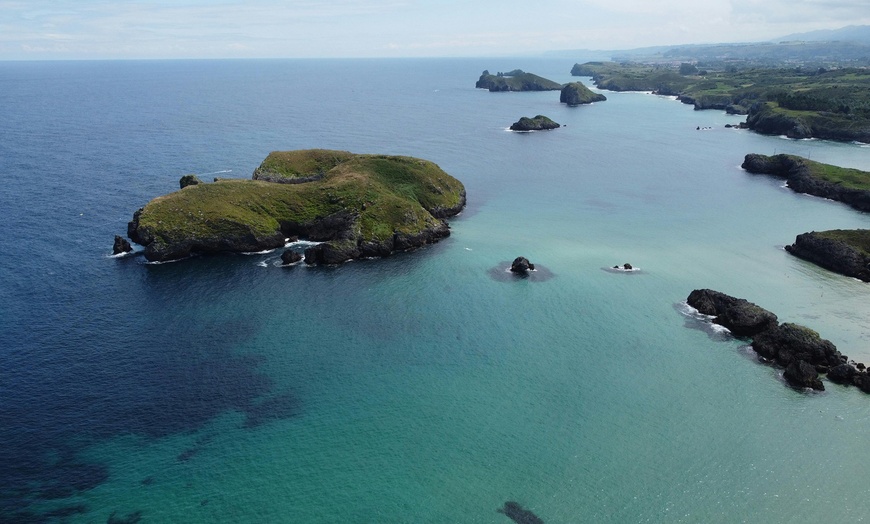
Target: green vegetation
x=825, y=103
x=516, y=80
x=576, y=93
x=373, y=196
x=857, y=239
x=301, y=164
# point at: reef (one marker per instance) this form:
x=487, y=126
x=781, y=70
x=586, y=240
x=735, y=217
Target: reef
x=516, y=80
x=576, y=93
x=357, y=206
x=802, y=352
x=538, y=123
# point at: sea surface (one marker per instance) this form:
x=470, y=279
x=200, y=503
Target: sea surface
x=430, y=386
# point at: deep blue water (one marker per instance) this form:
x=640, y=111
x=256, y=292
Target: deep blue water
x=425, y=387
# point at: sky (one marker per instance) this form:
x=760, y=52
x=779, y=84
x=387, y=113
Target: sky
x=125, y=29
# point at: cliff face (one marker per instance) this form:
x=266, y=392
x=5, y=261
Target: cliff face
x=813, y=178
x=766, y=119
x=538, y=123
x=359, y=206
x=832, y=250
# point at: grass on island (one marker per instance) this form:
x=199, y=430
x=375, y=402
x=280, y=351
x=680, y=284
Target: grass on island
x=301, y=163
x=389, y=193
x=858, y=239
x=843, y=176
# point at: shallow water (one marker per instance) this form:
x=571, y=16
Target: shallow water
x=424, y=387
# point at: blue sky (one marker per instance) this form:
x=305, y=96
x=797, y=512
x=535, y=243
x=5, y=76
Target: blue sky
x=98, y=29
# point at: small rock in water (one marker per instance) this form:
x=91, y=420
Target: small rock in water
x=290, y=257
x=521, y=265
x=121, y=245
x=626, y=266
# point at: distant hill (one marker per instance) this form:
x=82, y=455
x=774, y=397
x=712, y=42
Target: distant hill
x=852, y=33
x=847, y=46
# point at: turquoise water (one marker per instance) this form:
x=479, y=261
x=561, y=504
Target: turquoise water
x=425, y=387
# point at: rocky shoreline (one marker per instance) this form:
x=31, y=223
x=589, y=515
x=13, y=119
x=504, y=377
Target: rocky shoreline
x=799, y=350
x=353, y=209
x=799, y=176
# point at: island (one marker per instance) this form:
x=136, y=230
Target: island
x=826, y=103
x=516, y=80
x=850, y=186
x=843, y=251
x=538, y=123
x=576, y=93
x=356, y=206
x=802, y=352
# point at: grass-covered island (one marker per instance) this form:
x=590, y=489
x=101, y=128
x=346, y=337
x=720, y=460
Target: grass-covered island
x=538, y=123
x=843, y=251
x=832, y=104
x=516, y=80
x=357, y=205
x=847, y=185
x=576, y=93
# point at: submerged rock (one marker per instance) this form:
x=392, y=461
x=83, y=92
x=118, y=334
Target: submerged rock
x=519, y=514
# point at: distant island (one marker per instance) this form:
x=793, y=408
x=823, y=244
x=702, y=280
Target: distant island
x=516, y=80
x=831, y=104
x=356, y=205
x=538, y=123
x=576, y=93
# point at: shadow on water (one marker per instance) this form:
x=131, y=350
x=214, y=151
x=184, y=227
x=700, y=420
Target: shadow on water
x=106, y=364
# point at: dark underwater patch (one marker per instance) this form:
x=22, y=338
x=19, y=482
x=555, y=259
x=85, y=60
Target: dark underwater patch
x=519, y=514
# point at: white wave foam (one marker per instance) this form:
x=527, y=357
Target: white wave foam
x=689, y=311
x=264, y=252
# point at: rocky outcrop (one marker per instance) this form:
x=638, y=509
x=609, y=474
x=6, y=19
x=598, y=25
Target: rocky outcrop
x=121, y=246
x=290, y=257
x=362, y=206
x=741, y=317
x=802, y=375
x=832, y=253
x=765, y=118
x=801, y=351
x=800, y=175
x=516, y=80
x=538, y=123
x=189, y=180
x=521, y=265
x=576, y=93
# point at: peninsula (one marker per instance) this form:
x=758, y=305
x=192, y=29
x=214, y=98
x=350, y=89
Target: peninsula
x=799, y=103
x=357, y=206
x=516, y=80
x=850, y=186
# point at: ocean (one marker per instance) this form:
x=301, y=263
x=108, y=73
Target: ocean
x=430, y=386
